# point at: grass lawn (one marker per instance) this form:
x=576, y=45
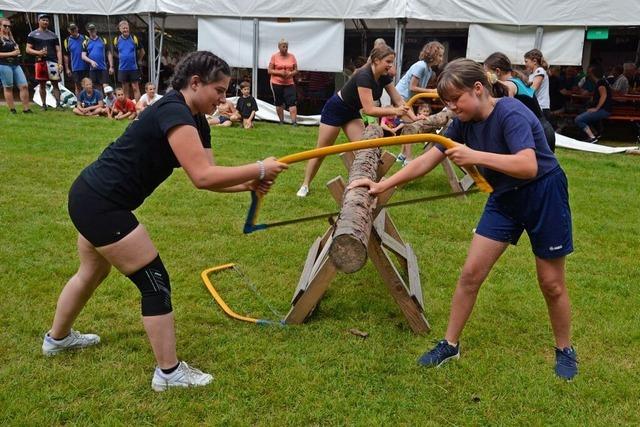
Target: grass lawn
x=318, y=373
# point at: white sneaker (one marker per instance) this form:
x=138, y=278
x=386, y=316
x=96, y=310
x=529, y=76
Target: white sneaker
x=75, y=339
x=303, y=191
x=183, y=376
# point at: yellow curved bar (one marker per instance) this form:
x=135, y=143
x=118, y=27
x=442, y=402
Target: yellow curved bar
x=428, y=95
x=481, y=182
x=218, y=298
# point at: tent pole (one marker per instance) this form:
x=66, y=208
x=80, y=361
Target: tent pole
x=158, y=58
x=151, y=55
x=398, y=45
x=254, y=69
x=56, y=23
x=539, y=33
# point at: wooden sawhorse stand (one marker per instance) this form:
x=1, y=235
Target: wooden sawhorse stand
x=319, y=271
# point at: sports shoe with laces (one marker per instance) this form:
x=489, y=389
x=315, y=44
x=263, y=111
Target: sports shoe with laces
x=566, y=363
x=440, y=354
x=183, y=376
x=51, y=347
x=303, y=191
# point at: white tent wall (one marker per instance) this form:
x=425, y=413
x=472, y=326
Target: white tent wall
x=561, y=45
x=317, y=44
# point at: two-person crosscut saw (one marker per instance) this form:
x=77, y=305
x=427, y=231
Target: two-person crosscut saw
x=251, y=224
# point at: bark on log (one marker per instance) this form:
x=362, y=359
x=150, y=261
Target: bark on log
x=428, y=125
x=348, y=250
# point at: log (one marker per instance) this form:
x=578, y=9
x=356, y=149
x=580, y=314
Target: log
x=348, y=250
x=428, y=125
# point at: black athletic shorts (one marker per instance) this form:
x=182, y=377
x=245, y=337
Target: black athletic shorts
x=128, y=76
x=284, y=95
x=79, y=75
x=99, y=77
x=99, y=220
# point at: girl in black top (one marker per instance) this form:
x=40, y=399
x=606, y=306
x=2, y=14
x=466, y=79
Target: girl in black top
x=342, y=110
x=171, y=133
x=601, y=101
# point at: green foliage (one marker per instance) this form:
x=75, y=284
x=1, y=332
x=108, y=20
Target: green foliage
x=316, y=373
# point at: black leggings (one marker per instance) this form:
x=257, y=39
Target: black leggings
x=96, y=218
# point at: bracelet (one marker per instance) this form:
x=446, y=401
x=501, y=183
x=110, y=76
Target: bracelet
x=263, y=172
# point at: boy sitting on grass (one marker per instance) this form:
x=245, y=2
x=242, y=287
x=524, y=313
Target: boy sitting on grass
x=246, y=105
x=123, y=108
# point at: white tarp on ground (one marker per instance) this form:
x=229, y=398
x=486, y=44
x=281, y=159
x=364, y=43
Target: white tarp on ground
x=561, y=45
x=320, y=41
x=574, y=144
x=267, y=112
x=509, y=12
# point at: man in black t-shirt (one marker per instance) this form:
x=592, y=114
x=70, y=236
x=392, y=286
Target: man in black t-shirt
x=45, y=46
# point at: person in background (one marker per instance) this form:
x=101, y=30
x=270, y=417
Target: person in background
x=283, y=67
x=90, y=100
x=150, y=96
x=44, y=45
x=537, y=67
x=602, y=103
x=498, y=66
x=246, y=105
x=109, y=101
x=416, y=79
x=129, y=51
x=619, y=83
x=227, y=115
x=75, y=67
x=391, y=124
x=123, y=108
x=96, y=54
x=11, y=73
x=342, y=110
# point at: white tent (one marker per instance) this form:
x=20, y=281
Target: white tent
x=506, y=12
x=558, y=26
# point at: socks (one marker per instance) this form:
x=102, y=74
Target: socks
x=170, y=370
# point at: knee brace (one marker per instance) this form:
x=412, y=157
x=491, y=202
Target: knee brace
x=153, y=283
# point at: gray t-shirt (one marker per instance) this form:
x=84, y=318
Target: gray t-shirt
x=543, y=91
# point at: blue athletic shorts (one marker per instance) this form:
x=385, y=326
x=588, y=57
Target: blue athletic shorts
x=337, y=113
x=541, y=208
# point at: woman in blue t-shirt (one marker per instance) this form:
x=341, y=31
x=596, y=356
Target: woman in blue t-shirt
x=506, y=140
x=169, y=134
x=342, y=110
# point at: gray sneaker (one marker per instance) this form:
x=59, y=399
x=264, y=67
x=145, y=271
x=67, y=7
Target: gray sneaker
x=75, y=339
x=183, y=376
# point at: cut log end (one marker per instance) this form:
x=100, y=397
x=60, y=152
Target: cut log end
x=348, y=254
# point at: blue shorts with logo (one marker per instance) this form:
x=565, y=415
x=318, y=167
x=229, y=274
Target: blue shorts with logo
x=541, y=208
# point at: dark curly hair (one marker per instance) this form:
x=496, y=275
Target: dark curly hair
x=209, y=67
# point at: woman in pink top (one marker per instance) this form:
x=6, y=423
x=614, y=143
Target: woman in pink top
x=282, y=67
